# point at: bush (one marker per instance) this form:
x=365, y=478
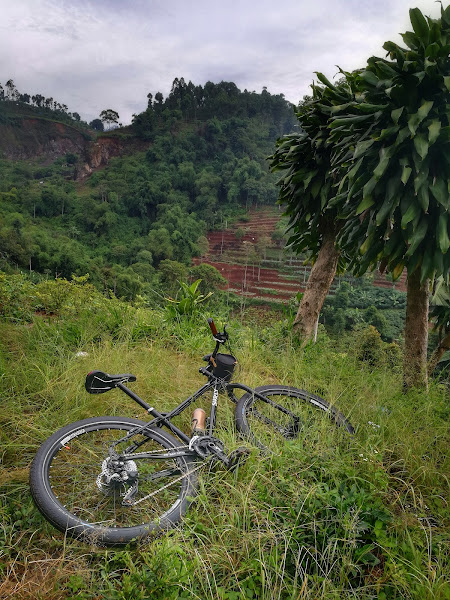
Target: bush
x=17, y=298
x=211, y=278
x=188, y=302
x=369, y=346
x=60, y=296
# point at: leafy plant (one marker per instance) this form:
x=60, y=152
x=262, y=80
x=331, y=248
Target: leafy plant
x=188, y=302
x=17, y=298
x=306, y=188
x=393, y=138
x=392, y=142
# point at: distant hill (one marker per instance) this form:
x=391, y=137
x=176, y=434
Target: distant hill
x=251, y=254
x=116, y=204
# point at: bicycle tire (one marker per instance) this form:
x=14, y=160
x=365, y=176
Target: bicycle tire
x=265, y=425
x=65, y=484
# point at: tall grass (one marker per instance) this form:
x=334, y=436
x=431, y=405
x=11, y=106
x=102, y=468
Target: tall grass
x=333, y=517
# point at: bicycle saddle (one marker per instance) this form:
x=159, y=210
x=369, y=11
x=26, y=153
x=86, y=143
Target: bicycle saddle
x=98, y=382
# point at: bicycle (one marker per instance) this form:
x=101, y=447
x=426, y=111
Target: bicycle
x=116, y=480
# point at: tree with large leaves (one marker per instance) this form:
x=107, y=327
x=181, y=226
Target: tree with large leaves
x=306, y=188
x=394, y=142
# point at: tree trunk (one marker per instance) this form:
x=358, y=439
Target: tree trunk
x=416, y=333
x=317, y=287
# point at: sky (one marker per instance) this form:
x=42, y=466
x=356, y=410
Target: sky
x=97, y=54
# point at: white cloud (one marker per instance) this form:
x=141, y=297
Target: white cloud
x=97, y=54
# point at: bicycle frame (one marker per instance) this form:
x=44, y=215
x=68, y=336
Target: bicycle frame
x=214, y=384
x=129, y=461
x=164, y=419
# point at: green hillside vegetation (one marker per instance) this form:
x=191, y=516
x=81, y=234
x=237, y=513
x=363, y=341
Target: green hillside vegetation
x=204, y=160
x=335, y=516
x=193, y=162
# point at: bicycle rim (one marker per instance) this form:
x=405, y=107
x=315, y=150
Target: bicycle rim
x=75, y=477
x=290, y=415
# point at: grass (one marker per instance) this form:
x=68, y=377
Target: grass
x=334, y=516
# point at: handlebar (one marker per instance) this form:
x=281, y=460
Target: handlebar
x=220, y=337
x=213, y=327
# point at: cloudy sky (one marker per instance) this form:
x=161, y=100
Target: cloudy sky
x=97, y=54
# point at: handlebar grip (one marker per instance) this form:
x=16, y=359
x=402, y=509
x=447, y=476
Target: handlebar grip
x=212, y=327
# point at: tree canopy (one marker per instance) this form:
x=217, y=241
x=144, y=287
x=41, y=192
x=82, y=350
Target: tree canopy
x=193, y=170
x=385, y=139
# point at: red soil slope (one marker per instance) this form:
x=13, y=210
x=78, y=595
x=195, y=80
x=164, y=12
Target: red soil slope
x=264, y=270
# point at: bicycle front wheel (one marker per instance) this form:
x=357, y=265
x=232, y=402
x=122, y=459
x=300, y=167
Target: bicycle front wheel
x=284, y=413
x=71, y=482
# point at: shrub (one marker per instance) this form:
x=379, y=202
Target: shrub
x=211, y=278
x=62, y=296
x=188, y=302
x=17, y=298
x=369, y=346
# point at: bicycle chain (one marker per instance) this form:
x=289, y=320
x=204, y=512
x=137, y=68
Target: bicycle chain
x=202, y=464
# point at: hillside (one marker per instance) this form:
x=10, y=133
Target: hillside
x=32, y=135
x=117, y=204
x=135, y=207
x=333, y=516
x=250, y=254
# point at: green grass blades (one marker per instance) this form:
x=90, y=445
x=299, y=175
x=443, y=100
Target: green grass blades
x=330, y=517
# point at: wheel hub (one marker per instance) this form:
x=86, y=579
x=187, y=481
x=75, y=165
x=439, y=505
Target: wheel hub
x=115, y=474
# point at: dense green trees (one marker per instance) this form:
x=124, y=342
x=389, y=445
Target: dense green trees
x=97, y=124
x=203, y=158
x=109, y=116
x=12, y=96
x=223, y=100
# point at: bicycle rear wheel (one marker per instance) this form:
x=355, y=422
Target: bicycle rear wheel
x=70, y=484
x=287, y=414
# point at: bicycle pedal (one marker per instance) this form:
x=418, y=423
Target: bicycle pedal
x=238, y=458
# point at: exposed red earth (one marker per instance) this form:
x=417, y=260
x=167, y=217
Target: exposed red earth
x=264, y=271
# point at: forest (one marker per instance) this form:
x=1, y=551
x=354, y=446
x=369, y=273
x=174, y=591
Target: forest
x=199, y=157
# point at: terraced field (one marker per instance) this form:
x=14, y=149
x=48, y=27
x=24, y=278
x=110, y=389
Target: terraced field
x=251, y=257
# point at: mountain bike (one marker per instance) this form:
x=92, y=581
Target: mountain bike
x=116, y=480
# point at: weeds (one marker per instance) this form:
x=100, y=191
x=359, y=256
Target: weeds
x=333, y=517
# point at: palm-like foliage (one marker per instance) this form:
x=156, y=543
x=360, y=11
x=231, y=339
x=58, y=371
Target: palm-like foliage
x=188, y=302
x=440, y=308
x=440, y=316
x=374, y=154
x=394, y=140
x=306, y=186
